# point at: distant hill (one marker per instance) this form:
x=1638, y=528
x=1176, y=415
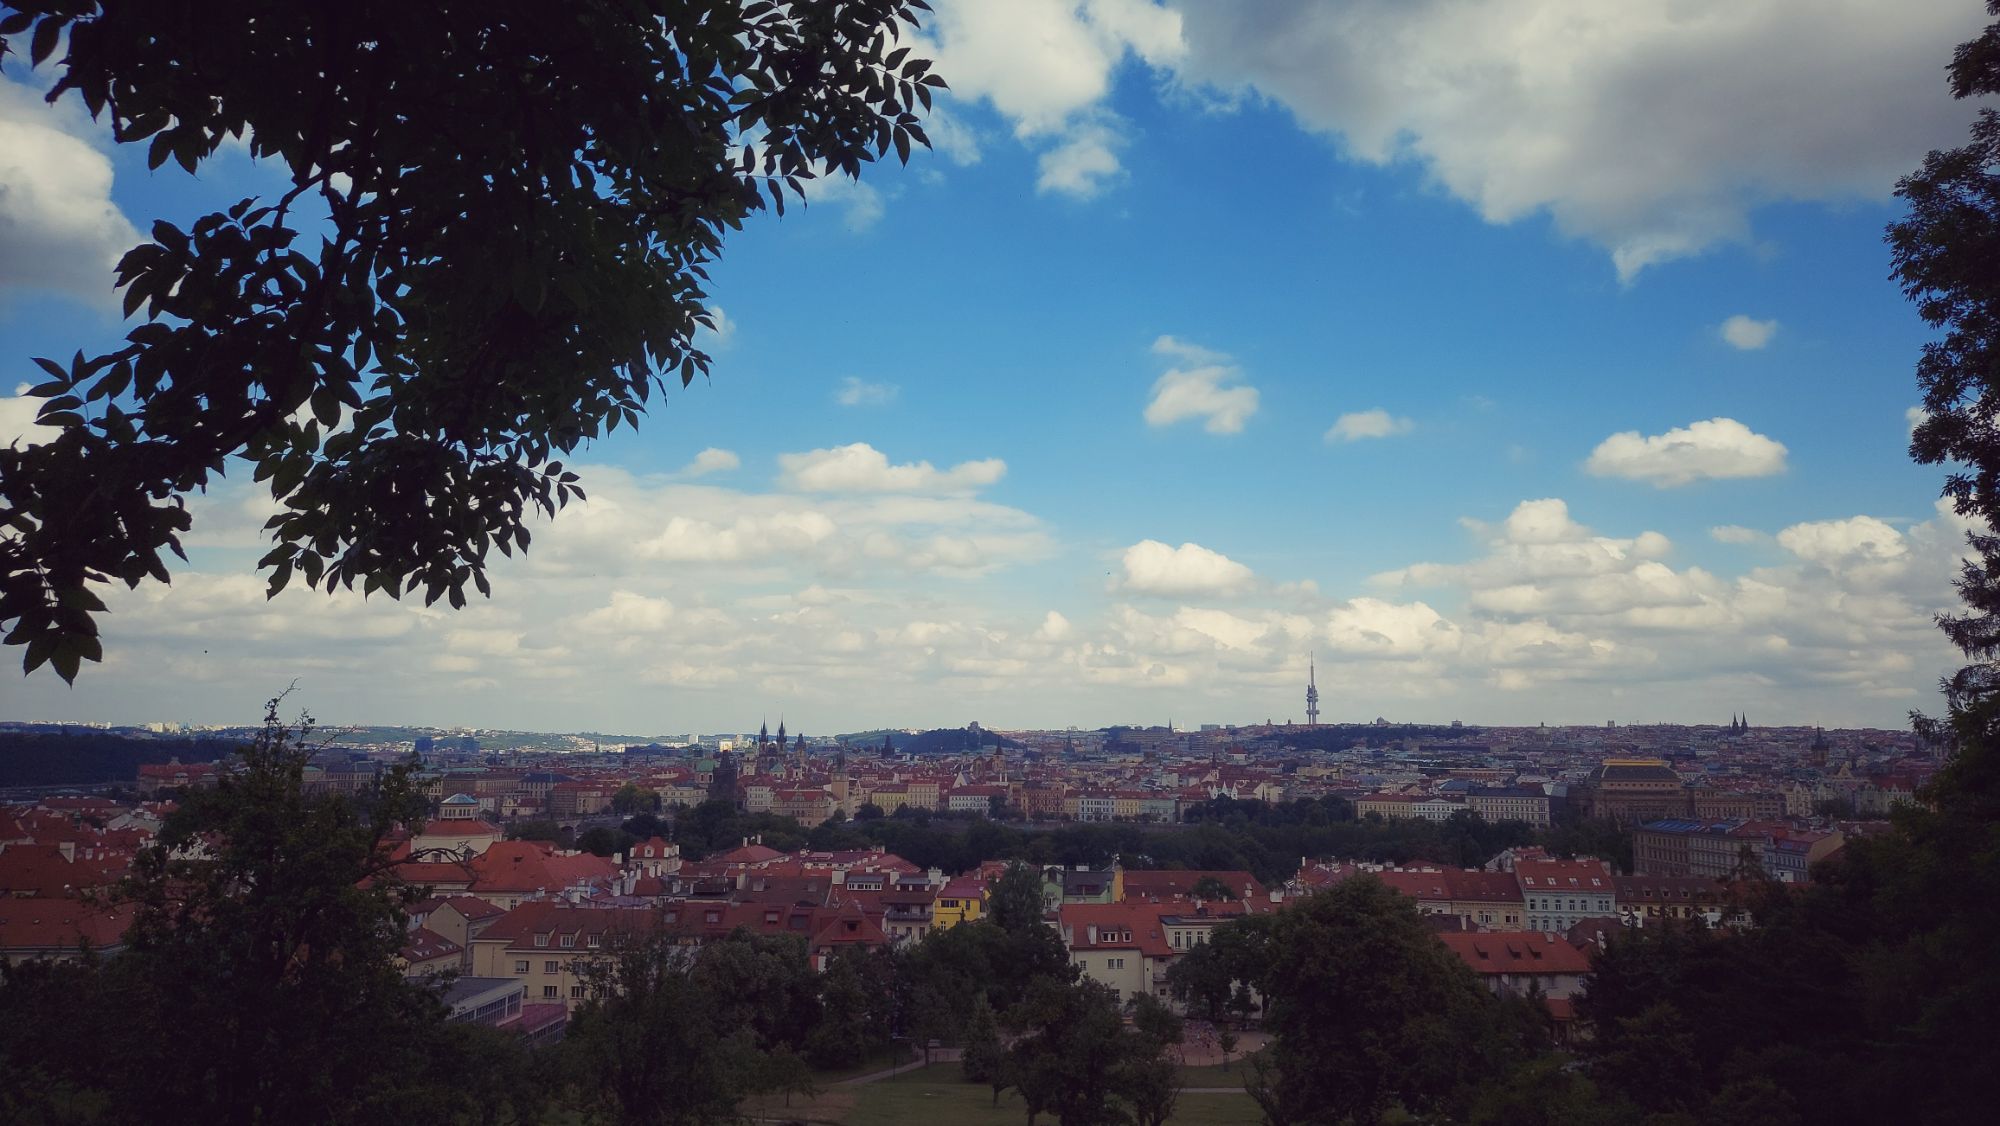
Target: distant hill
x=940, y=741
x=73, y=756
x=1340, y=737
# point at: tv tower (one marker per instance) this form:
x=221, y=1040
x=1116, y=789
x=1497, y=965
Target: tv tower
x=1312, y=693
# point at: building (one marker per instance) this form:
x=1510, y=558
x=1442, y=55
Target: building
x=1635, y=790
x=963, y=900
x=1558, y=894
x=1510, y=803
x=547, y=945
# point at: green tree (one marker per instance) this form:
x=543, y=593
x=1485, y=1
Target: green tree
x=1071, y=1039
x=605, y=841
x=670, y=1037
x=984, y=1055
x=535, y=831
x=631, y=799
x=1208, y=887
x=1369, y=1011
x=493, y=249
x=1942, y=252
x=257, y=904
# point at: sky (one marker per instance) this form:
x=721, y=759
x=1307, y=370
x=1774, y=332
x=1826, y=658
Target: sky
x=1513, y=361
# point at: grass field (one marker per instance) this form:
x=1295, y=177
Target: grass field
x=923, y=1096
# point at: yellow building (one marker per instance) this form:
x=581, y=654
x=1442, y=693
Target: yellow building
x=963, y=900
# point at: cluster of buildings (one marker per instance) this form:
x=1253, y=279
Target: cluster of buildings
x=517, y=921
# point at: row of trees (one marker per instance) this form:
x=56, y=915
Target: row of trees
x=1263, y=839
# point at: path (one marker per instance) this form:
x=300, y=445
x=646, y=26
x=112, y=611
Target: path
x=938, y=1055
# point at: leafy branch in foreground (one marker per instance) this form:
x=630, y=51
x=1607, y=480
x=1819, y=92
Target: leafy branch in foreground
x=492, y=250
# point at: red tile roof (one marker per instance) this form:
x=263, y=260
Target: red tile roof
x=1517, y=953
x=50, y=926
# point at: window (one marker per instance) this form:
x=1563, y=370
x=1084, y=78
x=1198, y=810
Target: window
x=521, y=966
x=549, y=992
x=541, y=940
x=594, y=941
x=576, y=991
x=551, y=966
x=568, y=941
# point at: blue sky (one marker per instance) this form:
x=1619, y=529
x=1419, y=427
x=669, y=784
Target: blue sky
x=1201, y=345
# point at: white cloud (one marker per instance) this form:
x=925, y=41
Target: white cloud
x=1915, y=416
x=710, y=460
x=59, y=229
x=1734, y=533
x=861, y=468
x=722, y=334
x=1651, y=127
x=858, y=200
x=1054, y=627
x=1084, y=164
x=1152, y=567
x=1209, y=390
x=1746, y=334
x=1047, y=66
x=856, y=392
x=1711, y=449
x=1857, y=539
x=951, y=136
x=17, y=419
x=1378, y=423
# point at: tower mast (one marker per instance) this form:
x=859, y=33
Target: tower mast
x=1312, y=691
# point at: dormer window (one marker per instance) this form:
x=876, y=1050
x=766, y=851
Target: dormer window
x=568, y=941
x=541, y=940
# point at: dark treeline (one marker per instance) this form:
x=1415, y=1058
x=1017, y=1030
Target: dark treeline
x=1266, y=840
x=1342, y=737
x=938, y=741
x=83, y=756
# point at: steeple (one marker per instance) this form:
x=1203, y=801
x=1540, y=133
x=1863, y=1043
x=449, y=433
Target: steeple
x=1312, y=691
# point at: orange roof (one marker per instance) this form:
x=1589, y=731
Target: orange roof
x=1172, y=884
x=528, y=866
x=1517, y=953
x=30, y=926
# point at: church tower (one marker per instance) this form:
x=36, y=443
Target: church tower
x=1312, y=692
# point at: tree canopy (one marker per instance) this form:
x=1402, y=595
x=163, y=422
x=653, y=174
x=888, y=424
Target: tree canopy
x=493, y=249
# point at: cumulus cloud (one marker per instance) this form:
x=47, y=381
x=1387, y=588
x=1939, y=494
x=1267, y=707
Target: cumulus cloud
x=1357, y=425
x=860, y=204
x=1712, y=449
x=59, y=229
x=1748, y=335
x=1083, y=164
x=1152, y=567
x=857, y=392
x=710, y=460
x=1047, y=66
x=1915, y=416
x=1862, y=539
x=1651, y=127
x=1208, y=387
x=861, y=468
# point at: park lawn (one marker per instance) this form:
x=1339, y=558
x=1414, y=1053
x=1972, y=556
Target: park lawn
x=880, y=1061
x=924, y=1096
